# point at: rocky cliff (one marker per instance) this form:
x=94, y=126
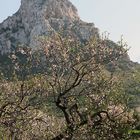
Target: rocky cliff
x=40, y=17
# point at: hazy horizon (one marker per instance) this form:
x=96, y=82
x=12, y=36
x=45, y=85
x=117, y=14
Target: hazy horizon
x=114, y=16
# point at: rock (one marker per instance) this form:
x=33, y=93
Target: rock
x=41, y=17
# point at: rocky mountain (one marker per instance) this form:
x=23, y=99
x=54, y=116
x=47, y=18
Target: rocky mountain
x=41, y=17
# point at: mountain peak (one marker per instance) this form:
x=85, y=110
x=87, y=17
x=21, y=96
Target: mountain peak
x=38, y=17
x=49, y=8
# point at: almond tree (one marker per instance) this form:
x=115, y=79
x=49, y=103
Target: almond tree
x=88, y=96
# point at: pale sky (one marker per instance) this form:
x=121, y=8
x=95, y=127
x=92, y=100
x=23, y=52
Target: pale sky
x=118, y=17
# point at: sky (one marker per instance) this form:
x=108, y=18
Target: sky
x=117, y=17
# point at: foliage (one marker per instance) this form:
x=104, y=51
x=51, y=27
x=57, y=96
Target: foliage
x=64, y=91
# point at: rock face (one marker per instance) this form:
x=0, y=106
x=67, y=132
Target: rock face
x=40, y=17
